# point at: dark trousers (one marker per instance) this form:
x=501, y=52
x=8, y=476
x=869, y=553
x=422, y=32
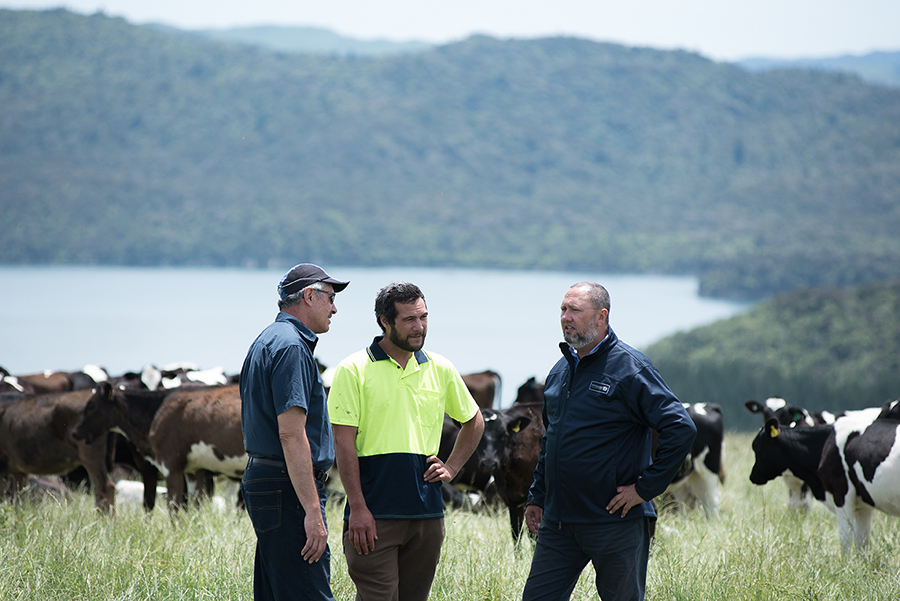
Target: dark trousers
x=280, y=572
x=402, y=566
x=618, y=550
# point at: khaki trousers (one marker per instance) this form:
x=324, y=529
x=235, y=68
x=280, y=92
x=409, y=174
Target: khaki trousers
x=402, y=566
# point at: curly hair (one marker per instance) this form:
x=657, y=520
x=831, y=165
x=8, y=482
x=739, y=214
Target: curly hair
x=390, y=295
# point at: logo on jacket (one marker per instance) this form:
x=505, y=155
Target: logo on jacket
x=599, y=387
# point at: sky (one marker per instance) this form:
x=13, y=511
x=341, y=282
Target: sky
x=718, y=29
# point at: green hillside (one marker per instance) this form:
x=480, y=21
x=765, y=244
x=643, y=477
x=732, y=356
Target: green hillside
x=823, y=349
x=129, y=145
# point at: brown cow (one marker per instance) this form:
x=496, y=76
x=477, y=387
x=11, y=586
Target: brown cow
x=195, y=430
x=484, y=387
x=509, y=450
x=65, y=381
x=36, y=438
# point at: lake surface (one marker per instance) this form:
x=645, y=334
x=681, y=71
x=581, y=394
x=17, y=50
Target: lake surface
x=62, y=318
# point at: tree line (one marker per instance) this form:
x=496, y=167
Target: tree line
x=130, y=145
x=831, y=349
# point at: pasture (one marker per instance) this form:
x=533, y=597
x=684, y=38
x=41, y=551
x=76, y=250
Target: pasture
x=63, y=549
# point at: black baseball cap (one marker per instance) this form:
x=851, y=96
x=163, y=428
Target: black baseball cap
x=302, y=275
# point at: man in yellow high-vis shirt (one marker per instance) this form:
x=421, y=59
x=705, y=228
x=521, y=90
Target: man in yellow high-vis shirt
x=387, y=405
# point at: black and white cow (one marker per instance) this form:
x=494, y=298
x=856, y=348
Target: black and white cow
x=698, y=484
x=788, y=416
x=697, y=481
x=852, y=465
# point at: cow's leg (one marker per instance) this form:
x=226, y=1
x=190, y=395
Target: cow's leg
x=846, y=528
x=204, y=484
x=516, y=519
x=706, y=485
x=93, y=457
x=863, y=527
x=14, y=486
x=797, y=493
x=149, y=476
x=175, y=486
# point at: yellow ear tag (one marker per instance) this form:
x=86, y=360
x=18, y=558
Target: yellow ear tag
x=517, y=427
x=773, y=432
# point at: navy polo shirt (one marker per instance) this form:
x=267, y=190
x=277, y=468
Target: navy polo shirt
x=280, y=372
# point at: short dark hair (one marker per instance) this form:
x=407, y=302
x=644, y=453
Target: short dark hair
x=390, y=295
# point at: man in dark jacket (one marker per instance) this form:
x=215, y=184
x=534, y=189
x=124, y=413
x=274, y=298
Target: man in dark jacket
x=594, y=479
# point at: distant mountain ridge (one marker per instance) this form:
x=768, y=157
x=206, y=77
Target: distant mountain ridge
x=877, y=67
x=128, y=145
x=315, y=40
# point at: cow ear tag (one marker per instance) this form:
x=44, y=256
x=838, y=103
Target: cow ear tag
x=773, y=431
x=517, y=427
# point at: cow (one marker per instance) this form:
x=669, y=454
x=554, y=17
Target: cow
x=531, y=391
x=470, y=477
x=704, y=468
x=65, y=381
x=178, y=374
x=850, y=465
x=509, y=450
x=12, y=387
x=484, y=387
x=36, y=438
x=790, y=416
x=191, y=430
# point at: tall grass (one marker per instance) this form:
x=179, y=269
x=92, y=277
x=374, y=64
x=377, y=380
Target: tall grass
x=756, y=549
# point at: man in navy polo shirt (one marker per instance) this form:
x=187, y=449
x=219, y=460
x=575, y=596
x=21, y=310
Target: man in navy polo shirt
x=287, y=435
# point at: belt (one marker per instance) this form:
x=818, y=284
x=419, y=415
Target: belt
x=320, y=475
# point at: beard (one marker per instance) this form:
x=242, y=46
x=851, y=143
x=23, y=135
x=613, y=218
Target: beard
x=405, y=344
x=581, y=339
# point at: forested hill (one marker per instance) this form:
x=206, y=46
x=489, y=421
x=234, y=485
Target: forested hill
x=822, y=349
x=128, y=145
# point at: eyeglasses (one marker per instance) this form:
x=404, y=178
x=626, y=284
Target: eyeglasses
x=331, y=295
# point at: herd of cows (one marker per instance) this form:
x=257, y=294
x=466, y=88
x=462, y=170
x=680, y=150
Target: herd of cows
x=182, y=425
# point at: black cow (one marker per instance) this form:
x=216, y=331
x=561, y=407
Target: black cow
x=849, y=465
x=509, y=450
x=470, y=477
x=531, y=391
x=12, y=387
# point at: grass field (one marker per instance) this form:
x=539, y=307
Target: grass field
x=755, y=550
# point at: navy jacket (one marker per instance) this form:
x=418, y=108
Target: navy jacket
x=599, y=413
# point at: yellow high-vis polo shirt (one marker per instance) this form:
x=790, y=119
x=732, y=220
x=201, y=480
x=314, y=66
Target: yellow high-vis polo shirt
x=398, y=414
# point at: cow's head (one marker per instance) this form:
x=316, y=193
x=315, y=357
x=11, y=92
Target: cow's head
x=770, y=460
x=98, y=417
x=781, y=410
x=531, y=391
x=499, y=433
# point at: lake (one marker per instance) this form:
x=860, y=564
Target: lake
x=62, y=318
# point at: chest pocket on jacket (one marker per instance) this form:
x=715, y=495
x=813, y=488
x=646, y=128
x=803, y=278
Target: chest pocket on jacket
x=602, y=389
